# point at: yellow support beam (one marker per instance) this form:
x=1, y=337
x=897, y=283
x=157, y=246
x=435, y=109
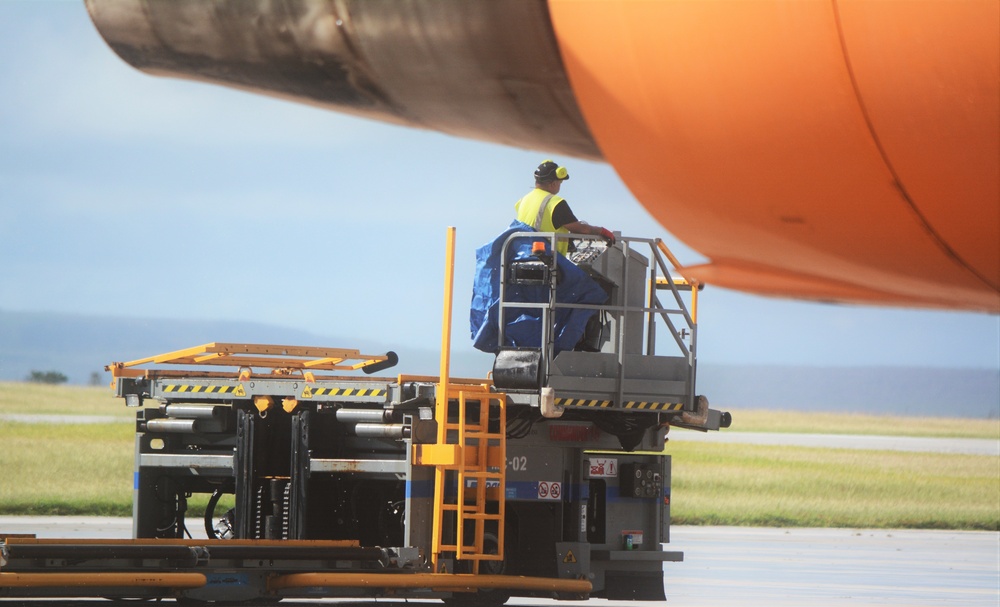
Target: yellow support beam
x=444, y=456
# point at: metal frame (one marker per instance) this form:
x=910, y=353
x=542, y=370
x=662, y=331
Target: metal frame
x=281, y=359
x=660, y=278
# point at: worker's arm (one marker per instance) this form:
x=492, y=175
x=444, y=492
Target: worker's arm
x=578, y=227
x=563, y=217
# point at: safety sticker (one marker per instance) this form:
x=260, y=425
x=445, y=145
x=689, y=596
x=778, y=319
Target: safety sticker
x=632, y=538
x=198, y=389
x=239, y=391
x=370, y=392
x=549, y=490
x=633, y=404
x=490, y=483
x=227, y=579
x=582, y=402
x=570, y=557
x=603, y=467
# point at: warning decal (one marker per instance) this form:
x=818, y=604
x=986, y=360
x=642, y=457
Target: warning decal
x=582, y=402
x=632, y=404
x=348, y=392
x=570, y=557
x=197, y=388
x=603, y=467
x=549, y=490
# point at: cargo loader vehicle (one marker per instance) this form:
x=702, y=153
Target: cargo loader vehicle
x=327, y=477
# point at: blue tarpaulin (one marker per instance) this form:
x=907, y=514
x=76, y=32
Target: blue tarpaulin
x=523, y=327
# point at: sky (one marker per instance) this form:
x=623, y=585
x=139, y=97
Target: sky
x=124, y=194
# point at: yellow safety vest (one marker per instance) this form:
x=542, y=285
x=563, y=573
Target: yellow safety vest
x=530, y=211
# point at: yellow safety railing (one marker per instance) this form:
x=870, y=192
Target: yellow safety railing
x=466, y=485
x=687, y=281
x=299, y=358
x=466, y=451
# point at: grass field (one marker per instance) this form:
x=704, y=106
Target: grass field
x=754, y=485
x=41, y=399
x=87, y=469
x=66, y=468
x=856, y=423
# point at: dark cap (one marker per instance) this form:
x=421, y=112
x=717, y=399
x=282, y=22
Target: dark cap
x=549, y=170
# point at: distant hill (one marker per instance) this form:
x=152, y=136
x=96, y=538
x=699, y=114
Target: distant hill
x=79, y=346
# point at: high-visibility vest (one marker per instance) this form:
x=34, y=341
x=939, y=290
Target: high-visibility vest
x=535, y=209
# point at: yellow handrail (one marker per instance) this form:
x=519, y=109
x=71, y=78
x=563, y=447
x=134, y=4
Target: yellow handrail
x=695, y=285
x=449, y=279
x=455, y=461
x=441, y=402
x=256, y=355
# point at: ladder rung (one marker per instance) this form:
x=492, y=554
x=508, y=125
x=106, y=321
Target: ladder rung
x=465, y=508
x=468, y=427
x=478, y=556
x=472, y=556
x=484, y=516
x=466, y=434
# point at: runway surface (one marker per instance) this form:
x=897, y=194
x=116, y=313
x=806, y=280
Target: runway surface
x=741, y=566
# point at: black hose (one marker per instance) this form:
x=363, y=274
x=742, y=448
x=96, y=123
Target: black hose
x=210, y=512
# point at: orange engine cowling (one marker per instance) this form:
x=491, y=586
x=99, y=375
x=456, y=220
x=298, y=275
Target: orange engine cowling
x=845, y=150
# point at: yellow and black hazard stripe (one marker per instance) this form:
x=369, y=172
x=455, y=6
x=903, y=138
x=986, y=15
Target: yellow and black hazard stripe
x=634, y=404
x=199, y=389
x=582, y=402
x=369, y=392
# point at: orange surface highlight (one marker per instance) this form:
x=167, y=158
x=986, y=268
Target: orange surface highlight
x=929, y=79
x=774, y=134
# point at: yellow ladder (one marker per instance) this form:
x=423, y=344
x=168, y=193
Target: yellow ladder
x=476, y=472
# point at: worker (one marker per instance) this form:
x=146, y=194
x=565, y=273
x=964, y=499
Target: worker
x=544, y=210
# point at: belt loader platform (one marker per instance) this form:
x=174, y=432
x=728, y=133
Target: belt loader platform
x=324, y=484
